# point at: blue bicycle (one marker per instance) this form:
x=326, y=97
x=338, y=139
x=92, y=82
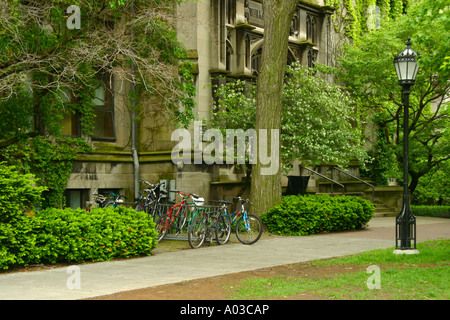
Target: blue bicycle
x=248, y=227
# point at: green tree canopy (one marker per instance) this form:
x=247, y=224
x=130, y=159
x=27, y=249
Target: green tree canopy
x=367, y=70
x=317, y=121
x=48, y=70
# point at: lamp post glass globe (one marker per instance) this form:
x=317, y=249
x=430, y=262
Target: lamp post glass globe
x=406, y=65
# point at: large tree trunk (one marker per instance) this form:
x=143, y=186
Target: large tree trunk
x=266, y=184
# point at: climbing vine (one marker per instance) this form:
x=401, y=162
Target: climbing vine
x=355, y=13
x=48, y=76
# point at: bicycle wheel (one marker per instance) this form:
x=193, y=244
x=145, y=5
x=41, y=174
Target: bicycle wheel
x=248, y=228
x=162, y=226
x=139, y=206
x=222, y=229
x=110, y=204
x=196, y=233
x=179, y=222
x=156, y=211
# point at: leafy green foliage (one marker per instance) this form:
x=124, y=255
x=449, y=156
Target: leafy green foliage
x=18, y=193
x=305, y=215
x=56, y=235
x=317, y=125
x=379, y=97
x=102, y=234
x=434, y=188
x=18, y=197
x=430, y=211
x=49, y=72
x=354, y=14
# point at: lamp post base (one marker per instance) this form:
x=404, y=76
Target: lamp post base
x=406, y=251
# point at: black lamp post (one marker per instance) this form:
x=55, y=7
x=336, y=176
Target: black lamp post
x=406, y=66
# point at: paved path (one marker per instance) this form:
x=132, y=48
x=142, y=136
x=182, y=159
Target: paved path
x=115, y=276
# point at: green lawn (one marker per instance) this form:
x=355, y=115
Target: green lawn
x=423, y=276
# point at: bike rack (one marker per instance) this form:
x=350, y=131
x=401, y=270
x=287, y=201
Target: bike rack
x=189, y=210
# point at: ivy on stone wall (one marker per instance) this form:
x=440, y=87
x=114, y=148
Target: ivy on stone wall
x=355, y=13
x=48, y=72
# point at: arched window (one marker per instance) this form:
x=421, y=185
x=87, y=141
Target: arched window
x=228, y=55
x=294, y=26
x=313, y=30
x=308, y=27
x=256, y=61
x=311, y=58
x=231, y=11
x=247, y=51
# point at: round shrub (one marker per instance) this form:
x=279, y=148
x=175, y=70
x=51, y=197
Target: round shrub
x=310, y=214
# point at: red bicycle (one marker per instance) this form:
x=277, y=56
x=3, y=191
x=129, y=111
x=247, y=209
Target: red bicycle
x=175, y=216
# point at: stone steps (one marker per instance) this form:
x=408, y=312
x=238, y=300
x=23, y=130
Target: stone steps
x=381, y=209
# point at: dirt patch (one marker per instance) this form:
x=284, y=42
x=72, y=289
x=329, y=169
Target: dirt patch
x=219, y=287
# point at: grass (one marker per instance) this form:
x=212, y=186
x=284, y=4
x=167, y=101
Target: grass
x=425, y=276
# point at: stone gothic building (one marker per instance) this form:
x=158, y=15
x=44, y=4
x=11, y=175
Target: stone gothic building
x=224, y=39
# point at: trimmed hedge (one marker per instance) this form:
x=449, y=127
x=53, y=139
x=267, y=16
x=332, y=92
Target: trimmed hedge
x=68, y=235
x=311, y=214
x=431, y=211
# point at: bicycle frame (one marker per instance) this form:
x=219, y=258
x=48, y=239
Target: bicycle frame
x=172, y=217
x=154, y=196
x=236, y=214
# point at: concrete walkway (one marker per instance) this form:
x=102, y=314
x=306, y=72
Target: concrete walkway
x=95, y=279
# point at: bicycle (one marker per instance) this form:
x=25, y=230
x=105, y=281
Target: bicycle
x=100, y=200
x=208, y=226
x=117, y=199
x=223, y=231
x=149, y=202
x=167, y=220
x=248, y=226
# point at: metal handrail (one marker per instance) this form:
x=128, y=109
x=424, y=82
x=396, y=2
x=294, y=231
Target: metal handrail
x=325, y=177
x=373, y=187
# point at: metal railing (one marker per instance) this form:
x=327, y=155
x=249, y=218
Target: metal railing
x=365, y=182
x=329, y=179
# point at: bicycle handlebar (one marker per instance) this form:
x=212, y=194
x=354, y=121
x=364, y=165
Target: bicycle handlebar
x=152, y=185
x=111, y=193
x=186, y=195
x=242, y=199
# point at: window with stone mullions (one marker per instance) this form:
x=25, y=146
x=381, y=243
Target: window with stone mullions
x=103, y=107
x=311, y=28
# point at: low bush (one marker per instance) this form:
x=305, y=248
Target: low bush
x=310, y=214
x=64, y=235
x=102, y=234
x=68, y=235
x=431, y=211
x=19, y=194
